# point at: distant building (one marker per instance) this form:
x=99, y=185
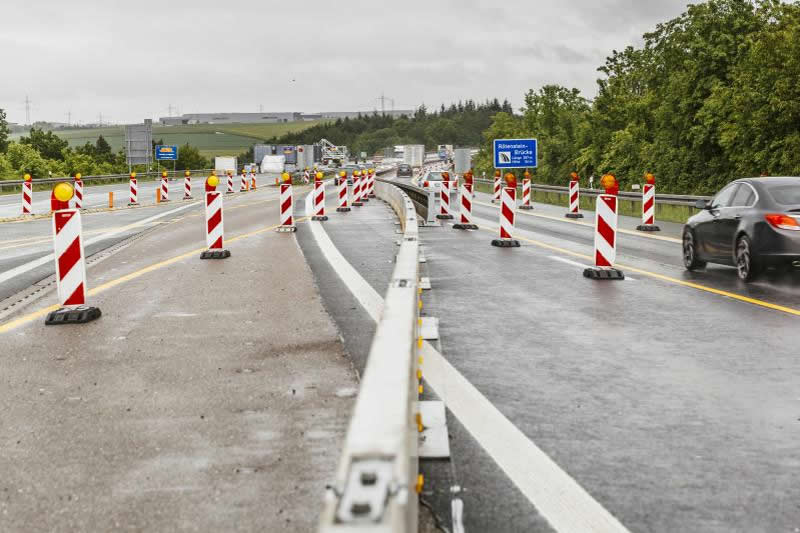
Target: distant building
x=265, y=118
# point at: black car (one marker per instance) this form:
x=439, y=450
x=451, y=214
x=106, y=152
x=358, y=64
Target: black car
x=751, y=224
x=405, y=171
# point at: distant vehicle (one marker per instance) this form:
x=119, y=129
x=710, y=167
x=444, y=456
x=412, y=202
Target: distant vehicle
x=431, y=180
x=405, y=171
x=751, y=224
x=223, y=164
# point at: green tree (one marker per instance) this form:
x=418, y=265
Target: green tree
x=47, y=143
x=102, y=150
x=189, y=158
x=4, y=132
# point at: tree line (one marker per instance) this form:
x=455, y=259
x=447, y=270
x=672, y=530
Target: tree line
x=712, y=95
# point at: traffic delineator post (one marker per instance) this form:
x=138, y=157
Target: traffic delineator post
x=444, y=201
x=215, y=232
x=253, y=180
x=286, y=206
x=605, y=234
x=134, y=190
x=526, y=194
x=243, y=187
x=158, y=195
x=343, y=200
x=508, y=206
x=230, y=183
x=187, y=185
x=372, y=183
x=78, y=191
x=357, y=189
x=319, y=201
x=69, y=261
x=111, y=199
x=497, y=187
x=574, y=210
x=27, y=195
x=465, y=212
x=164, y=187
x=649, y=205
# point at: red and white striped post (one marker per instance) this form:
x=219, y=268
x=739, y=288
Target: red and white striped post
x=319, y=200
x=230, y=183
x=69, y=260
x=605, y=233
x=134, y=190
x=526, y=194
x=364, y=186
x=508, y=211
x=343, y=200
x=574, y=198
x=497, y=187
x=444, y=201
x=27, y=195
x=649, y=205
x=187, y=185
x=215, y=232
x=372, y=183
x=357, y=189
x=286, y=218
x=78, y=191
x=164, y=187
x=465, y=213
x=253, y=186
x=243, y=186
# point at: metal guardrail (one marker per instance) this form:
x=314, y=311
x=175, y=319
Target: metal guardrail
x=671, y=199
x=375, y=483
x=423, y=199
x=170, y=173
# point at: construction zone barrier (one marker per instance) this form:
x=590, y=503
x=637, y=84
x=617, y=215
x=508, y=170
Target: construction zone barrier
x=508, y=207
x=286, y=208
x=526, y=194
x=319, y=201
x=215, y=229
x=444, y=201
x=133, y=187
x=574, y=200
x=465, y=212
x=69, y=260
x=27, y=195
x=605, y=235
x=343, y=199
x=649, y=205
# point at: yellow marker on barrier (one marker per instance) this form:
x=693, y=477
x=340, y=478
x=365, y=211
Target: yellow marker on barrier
x=419, y=374
x=420, y=483
x=419, y=342
x=418, y=418
x=419, y=390
x=420, y=304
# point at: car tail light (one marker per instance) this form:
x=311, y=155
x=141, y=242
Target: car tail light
x=783, y=221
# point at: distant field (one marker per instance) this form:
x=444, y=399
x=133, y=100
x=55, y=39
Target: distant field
x=210, y=139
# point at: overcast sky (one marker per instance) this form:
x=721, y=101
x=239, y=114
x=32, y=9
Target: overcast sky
x=131, y=59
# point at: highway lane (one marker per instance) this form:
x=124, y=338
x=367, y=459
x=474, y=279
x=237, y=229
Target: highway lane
x=24, y=243
x=211, y=395
x=96, y=196
x=676, y=408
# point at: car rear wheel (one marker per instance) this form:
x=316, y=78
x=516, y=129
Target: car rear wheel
x=747, y=264
x=690, y=260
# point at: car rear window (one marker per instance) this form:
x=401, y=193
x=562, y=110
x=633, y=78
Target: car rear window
x=785, y=194
x=434, y=176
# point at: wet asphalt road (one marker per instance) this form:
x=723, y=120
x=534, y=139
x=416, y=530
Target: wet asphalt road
x=676, y=408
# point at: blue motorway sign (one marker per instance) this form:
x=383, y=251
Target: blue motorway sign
x=515, y=153
x=165, y=152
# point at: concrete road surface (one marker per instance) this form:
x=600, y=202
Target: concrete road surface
x=210, y=396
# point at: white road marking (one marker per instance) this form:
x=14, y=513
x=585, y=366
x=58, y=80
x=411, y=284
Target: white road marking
x=575, y=263
x=554, y=493
x=27, y=267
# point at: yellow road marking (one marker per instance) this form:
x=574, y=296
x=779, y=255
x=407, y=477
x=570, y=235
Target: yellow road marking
x=8, y=326
x=662, y=277
x=588, y=224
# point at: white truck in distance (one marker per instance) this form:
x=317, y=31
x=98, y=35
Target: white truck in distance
x=414, y=155
x=224, y=164
x=273, y=164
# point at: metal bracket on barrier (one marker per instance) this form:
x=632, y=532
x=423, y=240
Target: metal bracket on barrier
x=367, y=491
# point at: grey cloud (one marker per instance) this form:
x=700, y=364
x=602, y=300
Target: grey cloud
x=130, y=60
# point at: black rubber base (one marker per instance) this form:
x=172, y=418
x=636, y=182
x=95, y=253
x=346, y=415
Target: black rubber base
x=647, y=227
x=357, y=204
x=133, y=205
x=188, y=198
x=603, y=273
x=574, y=215
x=465, y=226
x=230, y=192
x=162, y=201
x=215, y=254
x=506, y=243
x=74, y=315
x=286, y=229
x=372, y=195
x=526, y=207
x=342, y=209
x=320, y=218
x=444, y=217
x=365, y=199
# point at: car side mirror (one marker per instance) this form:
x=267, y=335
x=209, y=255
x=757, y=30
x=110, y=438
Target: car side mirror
x=702, y=204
